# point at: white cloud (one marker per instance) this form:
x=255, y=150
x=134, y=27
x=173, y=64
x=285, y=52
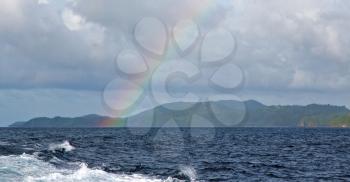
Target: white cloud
x=293, y=44
x=40, y=52
x=277, y=41
x=43, y=2
x=11, y=14
x=72, y=20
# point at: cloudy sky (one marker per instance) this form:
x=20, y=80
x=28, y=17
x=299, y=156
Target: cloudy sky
x=58, y=57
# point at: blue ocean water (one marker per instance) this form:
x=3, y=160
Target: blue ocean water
x=175, y=154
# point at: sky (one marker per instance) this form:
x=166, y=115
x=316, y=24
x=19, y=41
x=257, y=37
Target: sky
x=77, y=57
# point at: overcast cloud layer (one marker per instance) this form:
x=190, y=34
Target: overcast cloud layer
x=291, y=52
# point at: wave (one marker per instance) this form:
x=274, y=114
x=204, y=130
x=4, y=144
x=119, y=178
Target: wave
x=65, y=147
x=189, y=172
x=28, y=168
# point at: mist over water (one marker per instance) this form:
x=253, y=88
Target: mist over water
x=226, y=154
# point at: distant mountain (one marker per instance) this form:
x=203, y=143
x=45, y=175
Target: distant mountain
x=63, y=122
x=207, y=114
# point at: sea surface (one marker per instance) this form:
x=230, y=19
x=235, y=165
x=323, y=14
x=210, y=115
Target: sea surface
x=175, y=154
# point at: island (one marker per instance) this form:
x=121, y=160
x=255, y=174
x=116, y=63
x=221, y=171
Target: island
x=224, y=113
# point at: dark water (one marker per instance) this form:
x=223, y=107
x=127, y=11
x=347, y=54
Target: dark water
x=225, y=154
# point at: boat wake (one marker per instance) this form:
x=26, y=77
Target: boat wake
x=46, y=165
x=28, y=168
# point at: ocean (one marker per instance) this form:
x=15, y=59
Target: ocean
x=174, y=154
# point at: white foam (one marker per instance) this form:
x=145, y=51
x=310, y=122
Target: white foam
x=189, y=171
x=29, y=169
x=66, y=146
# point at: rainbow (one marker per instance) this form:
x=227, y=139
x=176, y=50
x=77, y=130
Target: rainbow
x=198, y=11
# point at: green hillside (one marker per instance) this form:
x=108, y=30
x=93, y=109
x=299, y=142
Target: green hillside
x=341, y=121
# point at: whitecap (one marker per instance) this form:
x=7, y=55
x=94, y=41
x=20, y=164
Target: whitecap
x=190, y=172
x=30, y=169
x=65, y=147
